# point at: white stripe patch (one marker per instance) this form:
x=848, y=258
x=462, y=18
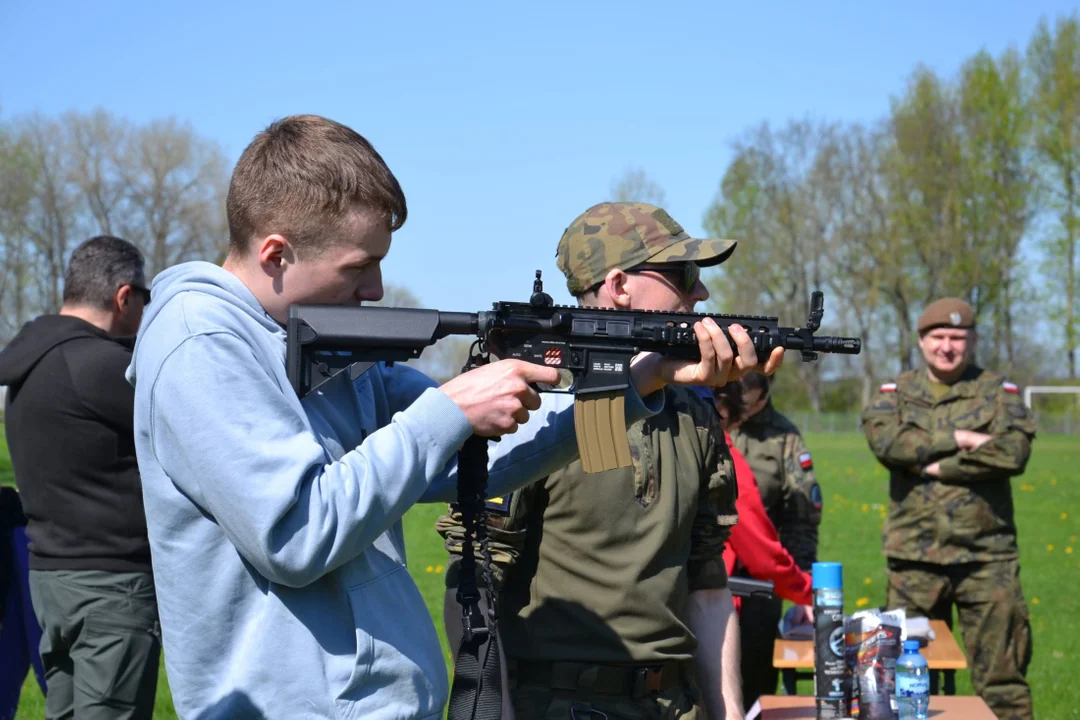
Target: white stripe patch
x=1010, y=387
x=888, y=387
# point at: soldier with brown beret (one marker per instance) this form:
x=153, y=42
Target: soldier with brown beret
x=952, y=437
x=614, y=598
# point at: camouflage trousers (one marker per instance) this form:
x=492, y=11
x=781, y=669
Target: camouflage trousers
x=993, y=621
x=541, y=702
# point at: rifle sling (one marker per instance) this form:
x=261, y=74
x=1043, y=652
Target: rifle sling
x=476, y=692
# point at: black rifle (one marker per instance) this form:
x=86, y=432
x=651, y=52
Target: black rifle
x=591, y=346
x=748, y=587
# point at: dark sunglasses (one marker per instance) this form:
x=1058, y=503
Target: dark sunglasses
x=145, y=292
x=686, y=274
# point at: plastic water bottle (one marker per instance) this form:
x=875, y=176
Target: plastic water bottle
x=912, y=683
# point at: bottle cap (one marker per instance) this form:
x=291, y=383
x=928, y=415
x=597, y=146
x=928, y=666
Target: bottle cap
x=827, y=575
x=911, y=646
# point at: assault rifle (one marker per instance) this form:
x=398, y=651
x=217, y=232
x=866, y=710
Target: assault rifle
x=590, y=347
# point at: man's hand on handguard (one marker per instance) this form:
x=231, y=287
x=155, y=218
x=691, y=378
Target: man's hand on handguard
x=718, y=365
x=496, y=398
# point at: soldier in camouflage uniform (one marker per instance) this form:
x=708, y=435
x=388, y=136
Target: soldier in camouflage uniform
x=613, y=591
x=952, y=437
x=784, y=469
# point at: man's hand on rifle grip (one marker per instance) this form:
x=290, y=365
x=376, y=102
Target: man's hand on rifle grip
x=498, y=397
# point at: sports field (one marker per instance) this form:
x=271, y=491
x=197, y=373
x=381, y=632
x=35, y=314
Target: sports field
x=1047, y=501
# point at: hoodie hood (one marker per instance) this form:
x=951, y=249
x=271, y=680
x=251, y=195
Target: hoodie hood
x=38, y=337
x=206, y=279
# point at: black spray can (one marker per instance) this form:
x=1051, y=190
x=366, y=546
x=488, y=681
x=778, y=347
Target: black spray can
x=829, y=665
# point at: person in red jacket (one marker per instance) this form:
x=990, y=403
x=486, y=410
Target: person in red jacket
x=753, y=547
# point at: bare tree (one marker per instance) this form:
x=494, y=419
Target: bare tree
x=52, y=221
x=95, y=142
x=175, y=185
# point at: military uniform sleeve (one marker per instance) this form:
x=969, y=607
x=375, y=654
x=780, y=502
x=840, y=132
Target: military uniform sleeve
x=506, y=521
x=897, y=444
x=802, y=503
x=1006, y=453
x=716, y=514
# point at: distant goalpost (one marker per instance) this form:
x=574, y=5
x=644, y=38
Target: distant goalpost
x=1049, y=390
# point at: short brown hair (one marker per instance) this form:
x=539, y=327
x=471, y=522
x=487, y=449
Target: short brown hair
x=300, y=177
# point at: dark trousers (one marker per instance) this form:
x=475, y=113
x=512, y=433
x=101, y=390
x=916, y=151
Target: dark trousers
x=20, y=634
x=758, y=622
x=101, y=642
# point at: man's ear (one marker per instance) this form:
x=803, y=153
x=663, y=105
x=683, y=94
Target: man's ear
x=122, y=298
x=617, y=291
x=274, y=253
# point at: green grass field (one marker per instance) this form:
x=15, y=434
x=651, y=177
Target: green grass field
x=1047, y=510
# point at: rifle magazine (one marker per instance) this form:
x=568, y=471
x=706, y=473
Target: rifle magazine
x=600, y=422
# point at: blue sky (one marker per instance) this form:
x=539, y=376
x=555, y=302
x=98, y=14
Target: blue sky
x=503, y=121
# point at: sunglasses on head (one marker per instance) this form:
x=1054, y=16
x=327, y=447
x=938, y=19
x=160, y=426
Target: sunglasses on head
x=686, y=274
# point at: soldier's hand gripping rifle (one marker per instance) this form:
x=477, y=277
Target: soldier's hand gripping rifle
x=591, y=348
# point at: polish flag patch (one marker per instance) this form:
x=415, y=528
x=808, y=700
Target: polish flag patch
x=805, y=461
x=888, y=387
x=1010, y=387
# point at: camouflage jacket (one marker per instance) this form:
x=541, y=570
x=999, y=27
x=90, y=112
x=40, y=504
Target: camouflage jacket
x=966, y=513
x=598, y=567
x=784, y=469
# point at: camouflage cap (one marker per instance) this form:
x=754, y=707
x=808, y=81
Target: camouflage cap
x=624, y=234
x=947, y=312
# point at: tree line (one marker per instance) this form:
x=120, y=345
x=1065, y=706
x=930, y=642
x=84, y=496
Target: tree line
x=969, y=187
x=63, y=180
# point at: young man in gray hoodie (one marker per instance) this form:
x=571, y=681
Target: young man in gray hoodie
x=275, y=522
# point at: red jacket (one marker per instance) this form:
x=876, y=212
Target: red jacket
x=755, y=545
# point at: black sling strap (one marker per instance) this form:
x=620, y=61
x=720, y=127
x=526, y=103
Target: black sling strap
x=476, y=693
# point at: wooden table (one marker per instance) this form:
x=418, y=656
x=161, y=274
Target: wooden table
x=801, y=707
x=942, y=653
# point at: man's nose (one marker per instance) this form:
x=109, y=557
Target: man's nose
x=370, y=293
x=699, y=293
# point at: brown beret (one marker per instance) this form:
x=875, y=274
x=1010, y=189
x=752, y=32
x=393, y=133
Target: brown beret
x=947, y=312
